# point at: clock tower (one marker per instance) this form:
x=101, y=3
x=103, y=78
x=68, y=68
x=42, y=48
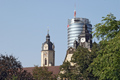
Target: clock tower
x=85, y=38
x=48, y=53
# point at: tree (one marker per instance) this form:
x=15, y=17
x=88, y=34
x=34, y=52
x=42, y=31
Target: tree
x=10, y=69
x=42, y=73
x=94, y=50
x=106, y=66
x=108, y=29
x=14, y=77
x=83, y=57
x=8, y=66
x=66, y=71
x=24, y=75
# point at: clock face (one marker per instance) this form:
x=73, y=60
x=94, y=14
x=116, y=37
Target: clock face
x=82, y=39
x=46, y=47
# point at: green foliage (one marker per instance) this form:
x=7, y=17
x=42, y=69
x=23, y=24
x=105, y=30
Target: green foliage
x=8, y=66
x=108, y=28
x=24, y=75
x=83, y=57
x=42, y=73
x=65, y=68
x=14, y=77
x=10, y=69
x=106, y=66
x=94, y=50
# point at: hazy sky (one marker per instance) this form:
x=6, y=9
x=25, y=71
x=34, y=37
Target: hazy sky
x=24, y=25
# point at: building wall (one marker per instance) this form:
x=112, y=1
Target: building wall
x=49, y=56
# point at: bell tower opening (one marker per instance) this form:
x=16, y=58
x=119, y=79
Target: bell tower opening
x=45, y=61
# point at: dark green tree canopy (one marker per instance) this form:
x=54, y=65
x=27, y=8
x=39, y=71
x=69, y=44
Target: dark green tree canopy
x=10, y=68
x=42, y=73
x=65, y=67
x=106, y=66
x=82, y=57
x=108, y=28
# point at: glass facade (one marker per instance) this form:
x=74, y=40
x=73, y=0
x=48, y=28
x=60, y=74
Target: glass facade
x=75, y=28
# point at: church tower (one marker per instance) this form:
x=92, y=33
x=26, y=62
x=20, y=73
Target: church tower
x=48, y=53
x=84, y=39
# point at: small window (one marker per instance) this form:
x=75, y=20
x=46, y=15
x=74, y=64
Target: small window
x=45, y=61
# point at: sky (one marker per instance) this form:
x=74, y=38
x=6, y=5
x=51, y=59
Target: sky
x=24, y=25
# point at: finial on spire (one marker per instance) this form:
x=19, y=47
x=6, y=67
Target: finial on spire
x=48, y=36
x=75, y=11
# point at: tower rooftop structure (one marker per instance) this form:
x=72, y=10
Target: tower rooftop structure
x=49, y=43
x=75, y=27
x=47, y=53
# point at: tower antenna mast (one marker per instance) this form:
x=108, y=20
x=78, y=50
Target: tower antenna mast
x=75, y=11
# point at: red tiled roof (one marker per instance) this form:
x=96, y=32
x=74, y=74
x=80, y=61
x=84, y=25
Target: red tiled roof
x=54, y=69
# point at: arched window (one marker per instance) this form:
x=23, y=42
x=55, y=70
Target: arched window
x=45, y=61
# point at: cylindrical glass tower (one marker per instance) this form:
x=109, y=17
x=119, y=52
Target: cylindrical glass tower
x=75, y=28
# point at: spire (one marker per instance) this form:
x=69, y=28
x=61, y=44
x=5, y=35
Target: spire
x=48, y=36
x=48, y=31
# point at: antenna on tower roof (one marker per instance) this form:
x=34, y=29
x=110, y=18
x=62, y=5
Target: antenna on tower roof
x=75, y=11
